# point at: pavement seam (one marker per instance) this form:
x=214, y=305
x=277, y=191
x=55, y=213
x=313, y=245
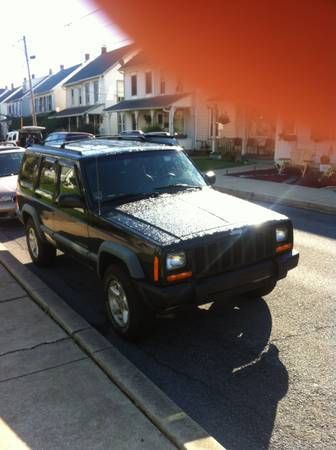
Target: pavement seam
x=41, y=344
x=181, y=433
x=46, y=369
x=12, y=299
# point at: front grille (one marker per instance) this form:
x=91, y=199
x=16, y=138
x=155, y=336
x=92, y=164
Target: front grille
x=232, y=251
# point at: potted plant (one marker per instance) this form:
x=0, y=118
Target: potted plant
x=324, y=163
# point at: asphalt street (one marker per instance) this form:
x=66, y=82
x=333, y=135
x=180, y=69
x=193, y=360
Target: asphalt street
x=254, y=373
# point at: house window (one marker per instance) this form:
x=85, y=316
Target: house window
x=44, y=104
x=134, y=85
x=162, y=85
x=87, y=93
x=36, y=105
x=72, y=96
x=41, y=104
x=179, y=86
x=79, y=96
x=120, y=90
x=95, y=91
x=49, y=103
x=148, y=80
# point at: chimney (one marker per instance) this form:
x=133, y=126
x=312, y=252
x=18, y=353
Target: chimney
x=12, y=86
x=87, y=56
x=103, y=50
x=33, y=76
x=61, y=67
x=6, y=87
x=50, y=72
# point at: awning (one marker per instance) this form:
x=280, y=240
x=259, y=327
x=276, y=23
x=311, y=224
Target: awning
x=158, y=102
x=78, y=111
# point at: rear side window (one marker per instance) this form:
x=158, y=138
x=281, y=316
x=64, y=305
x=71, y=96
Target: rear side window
x=47, y=182
x=29, y=169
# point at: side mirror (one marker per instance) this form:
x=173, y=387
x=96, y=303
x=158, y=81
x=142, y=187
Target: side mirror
x=70, y=201
x=210, y=177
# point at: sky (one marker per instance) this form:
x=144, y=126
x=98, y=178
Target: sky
x=57, y=32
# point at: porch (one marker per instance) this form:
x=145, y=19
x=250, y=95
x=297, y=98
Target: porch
x=81, y=118
x=172, y=113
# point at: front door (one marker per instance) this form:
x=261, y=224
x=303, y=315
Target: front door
x=70, y=224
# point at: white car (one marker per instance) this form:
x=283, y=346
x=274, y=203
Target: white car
x=10, y=161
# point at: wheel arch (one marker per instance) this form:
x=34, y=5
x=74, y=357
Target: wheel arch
x=28, y=212
x=113, y=253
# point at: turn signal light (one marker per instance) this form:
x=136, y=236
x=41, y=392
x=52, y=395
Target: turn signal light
x=156, y=269
x=179, y=276
x=283, y=248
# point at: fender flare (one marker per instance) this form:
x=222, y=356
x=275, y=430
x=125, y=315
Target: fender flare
x=124, y=254
x=28, y=209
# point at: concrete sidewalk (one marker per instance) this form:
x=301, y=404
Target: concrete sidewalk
x=322, y=200
x=63, y=386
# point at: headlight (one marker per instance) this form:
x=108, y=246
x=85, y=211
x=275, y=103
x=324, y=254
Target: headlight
x=175, y=260
x=281, y=234
x=6, y=198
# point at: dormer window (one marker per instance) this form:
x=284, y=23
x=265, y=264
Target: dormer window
x=149, y=82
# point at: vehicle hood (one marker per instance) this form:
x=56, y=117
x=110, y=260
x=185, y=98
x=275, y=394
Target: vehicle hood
x=170, y=218
x=8, y=184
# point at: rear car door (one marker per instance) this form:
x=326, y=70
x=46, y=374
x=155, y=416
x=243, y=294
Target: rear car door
x=45, y=192
x=70, y=224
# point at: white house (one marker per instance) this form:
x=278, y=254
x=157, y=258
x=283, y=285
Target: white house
x=301, y=145
x=50, y=95
x=97, y=85
x=157, y=100
x=5, y=94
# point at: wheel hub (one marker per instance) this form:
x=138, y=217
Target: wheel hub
x=32, y=241
x=118, y=304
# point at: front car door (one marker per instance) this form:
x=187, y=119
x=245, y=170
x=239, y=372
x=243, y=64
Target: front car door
x=70, y=224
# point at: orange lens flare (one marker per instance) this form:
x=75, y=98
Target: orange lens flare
x=283, y=248
x=179, y=276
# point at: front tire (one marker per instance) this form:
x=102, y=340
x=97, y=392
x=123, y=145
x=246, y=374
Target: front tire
x=126, y=310
x=42, y=253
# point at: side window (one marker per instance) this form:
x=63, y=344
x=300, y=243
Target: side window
x=68, y=181
x=29, y=169
x=47, y=182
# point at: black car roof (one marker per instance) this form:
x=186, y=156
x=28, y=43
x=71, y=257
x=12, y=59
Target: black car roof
x=98, y=147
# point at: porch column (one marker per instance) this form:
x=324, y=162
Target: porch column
x=87, y=119
x=152, y=114
x=69, y=124
x=213, y=130
x=123, y=119
x=171, y=119
x=77, y=122
x=136, y=113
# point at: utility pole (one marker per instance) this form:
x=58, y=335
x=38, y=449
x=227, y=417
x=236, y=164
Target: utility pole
x=30, y=83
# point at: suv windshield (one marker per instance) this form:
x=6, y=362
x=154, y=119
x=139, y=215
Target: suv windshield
x=142, y=173
x=10, y=163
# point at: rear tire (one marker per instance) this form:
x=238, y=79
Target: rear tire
x=42, y=253
x=262, y=291
x=128, y=314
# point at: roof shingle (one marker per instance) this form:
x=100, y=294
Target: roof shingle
x=53, y=80
x=99, y=65
x=161, y=101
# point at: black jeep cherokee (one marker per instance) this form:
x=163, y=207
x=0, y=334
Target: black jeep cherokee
x=151, y=225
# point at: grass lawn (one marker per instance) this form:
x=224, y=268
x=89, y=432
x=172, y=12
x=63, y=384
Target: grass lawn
x=205, y=164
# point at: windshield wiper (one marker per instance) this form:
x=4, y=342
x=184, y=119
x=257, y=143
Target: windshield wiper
x=130, y=196
x=177, y=186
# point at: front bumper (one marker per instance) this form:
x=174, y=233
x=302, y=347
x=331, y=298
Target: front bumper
x=200, y=291
x=7, y=210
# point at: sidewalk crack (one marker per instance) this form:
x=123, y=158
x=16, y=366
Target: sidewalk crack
x=25, y=349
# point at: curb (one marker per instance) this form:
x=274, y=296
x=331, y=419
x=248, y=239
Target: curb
x=252, y=196
x=171, y=420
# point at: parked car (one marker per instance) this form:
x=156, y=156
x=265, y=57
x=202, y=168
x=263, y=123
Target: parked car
x=151, y=225
x=58, y=138
x=20, y=137
x=10, y=160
